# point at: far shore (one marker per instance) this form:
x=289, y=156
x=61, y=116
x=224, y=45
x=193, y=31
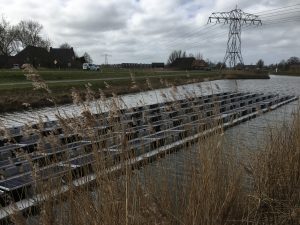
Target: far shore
x=17, y=94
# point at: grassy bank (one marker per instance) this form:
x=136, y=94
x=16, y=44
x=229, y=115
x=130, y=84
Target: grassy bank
x=17, y=76
x=287, y=72
x=213, y=186
x=239, y=74
x=16, y=92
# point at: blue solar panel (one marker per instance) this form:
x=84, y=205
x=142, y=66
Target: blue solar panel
x=16, y=182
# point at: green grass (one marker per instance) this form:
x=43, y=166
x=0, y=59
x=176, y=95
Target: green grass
x=16, y=90
x=11, y=76
x=287, y=73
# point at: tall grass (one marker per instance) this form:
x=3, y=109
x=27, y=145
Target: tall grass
x=207, y=188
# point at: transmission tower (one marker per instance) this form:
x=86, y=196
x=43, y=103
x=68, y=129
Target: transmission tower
x=106, y=58
x=236, y=19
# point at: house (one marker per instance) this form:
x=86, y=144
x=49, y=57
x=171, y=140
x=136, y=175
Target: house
x=9, y=61
x=189, y=63
x=199, y=64
x=158, y=65
x=135, y=65
x=36, y=56
x=183, y=63
x=41, y=57
x=80, y=60
x=63, y=57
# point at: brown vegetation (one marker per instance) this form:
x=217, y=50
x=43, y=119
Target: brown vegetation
x=211, y=187
x=242, y=74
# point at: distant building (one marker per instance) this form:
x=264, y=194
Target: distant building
x=9, y=61
x=158, y=65
x=189, y=63
x=183, y=63
x=199, y=64
x=135, y=65
x=63, y=57
x=81, y=60
x=36, y=56
x=249, y=67
x=41, y=57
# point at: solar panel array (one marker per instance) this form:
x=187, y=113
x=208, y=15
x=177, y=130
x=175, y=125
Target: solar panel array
x=28, y=154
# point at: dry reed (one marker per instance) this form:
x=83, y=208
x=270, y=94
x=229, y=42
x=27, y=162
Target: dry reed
x=207, y=188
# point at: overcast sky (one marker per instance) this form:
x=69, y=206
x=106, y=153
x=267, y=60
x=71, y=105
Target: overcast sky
x=145, y=31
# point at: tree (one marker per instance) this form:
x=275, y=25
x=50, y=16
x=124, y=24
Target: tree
x=176, y=54
x=29, y=34
x=293, y=61
x=260, y=64
x=220, y=65
x=239, y=66
x=199, y=56
x=65, y=46
x=87, y=57
x=282, y=65
x=8, y=44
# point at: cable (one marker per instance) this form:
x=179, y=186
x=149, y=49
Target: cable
x=206, y=33
x=276, y=9
x=203, y=32
x=278, y=14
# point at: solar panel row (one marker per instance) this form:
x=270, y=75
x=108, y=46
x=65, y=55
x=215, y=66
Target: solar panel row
x=145, y=128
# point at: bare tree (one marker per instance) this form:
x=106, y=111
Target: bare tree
x=87, y=57
x=199, y=56
x=293, y=60
x=65, y=45
x=8, y=44
x=221, y=65
x=29, y=34
x=260, y=64
x=282, y=65
x=176, y=54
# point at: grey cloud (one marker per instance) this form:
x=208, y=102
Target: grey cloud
x=148, y=30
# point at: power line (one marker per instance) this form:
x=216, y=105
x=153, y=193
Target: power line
x=207, y=33
x=174, y=42
x=190, y=35
x=236, y=19
x=281, y=13
x=276, y=9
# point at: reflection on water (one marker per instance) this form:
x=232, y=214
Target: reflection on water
x=247, y=137
x=244, y=138
x=277, y=84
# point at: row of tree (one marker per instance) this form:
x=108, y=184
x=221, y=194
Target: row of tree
x=14, y=38
x=182, y=54
x=283, y=65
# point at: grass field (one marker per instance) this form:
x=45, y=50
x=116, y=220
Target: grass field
x=9, y=76
x=16, y=92
x=288, y=73
x=15, y=89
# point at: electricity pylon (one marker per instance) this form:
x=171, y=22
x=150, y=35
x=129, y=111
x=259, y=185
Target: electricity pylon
x=236, y=19
x=106, y=58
